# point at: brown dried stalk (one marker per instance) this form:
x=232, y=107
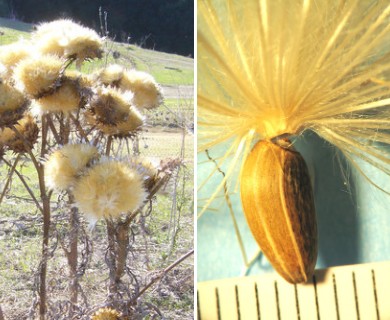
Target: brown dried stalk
x=161, y=274
x=25, y=184
x=9, y=179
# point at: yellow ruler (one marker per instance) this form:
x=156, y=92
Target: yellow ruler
x=359, y=292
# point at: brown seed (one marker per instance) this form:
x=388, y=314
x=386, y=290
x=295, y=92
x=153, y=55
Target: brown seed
x=278, y=203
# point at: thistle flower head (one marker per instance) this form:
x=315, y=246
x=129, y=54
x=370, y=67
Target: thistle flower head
x=64, y=98
x=38, y=75
x=68, y=39
x=147, y=93
x=106, y=314
x=84, y=80
x=146, y=169
x=109, y=106
x=65, y=165
x=12, y=104
x=111, y=75
x=25, y=140
x=11, y=54
x=109, y=189
x=112, y=113
x=126, y=128
x=273, y=68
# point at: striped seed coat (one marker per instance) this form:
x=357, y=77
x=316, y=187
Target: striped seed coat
x=278, y=202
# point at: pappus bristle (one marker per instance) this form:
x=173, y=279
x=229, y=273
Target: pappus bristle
x=278, y=68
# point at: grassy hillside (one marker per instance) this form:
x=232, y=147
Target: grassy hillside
x=168, y=69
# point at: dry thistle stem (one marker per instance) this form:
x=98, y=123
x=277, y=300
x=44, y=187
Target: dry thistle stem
x=278, y=202
x=274, y=68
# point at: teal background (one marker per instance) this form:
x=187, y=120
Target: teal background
x=353, y=216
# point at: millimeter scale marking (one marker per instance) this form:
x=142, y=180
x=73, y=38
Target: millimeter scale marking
x=351, y=292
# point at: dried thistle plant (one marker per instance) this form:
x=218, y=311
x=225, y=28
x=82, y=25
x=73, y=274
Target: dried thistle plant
x=13, y=104
x=24, y=139
x=111, y=111
x=65, y=165
x=108, y=189
x=147, y=93
x=12, y=53
x=68, y=40
x=270, y=70
x=35, y=78
x=37, y=75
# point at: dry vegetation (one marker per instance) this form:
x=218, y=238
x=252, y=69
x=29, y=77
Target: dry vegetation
x=139, y=263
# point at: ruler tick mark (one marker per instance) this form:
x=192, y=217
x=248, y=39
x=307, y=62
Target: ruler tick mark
x=257, y=302
x=375, y=294
x=316, y=297
x=218, y=305
x=356, y=296
x=336, y=300
x=297, y=302
x=198, y=304
x=238, y=303
x=277, y=300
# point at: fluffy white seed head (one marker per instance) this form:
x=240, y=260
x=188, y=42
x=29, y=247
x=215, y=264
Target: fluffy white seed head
x=38, y=74
x=68, y=39
x=109, y=189
x=65, y=165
